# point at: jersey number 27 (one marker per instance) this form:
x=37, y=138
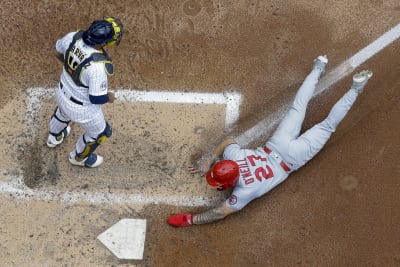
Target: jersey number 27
x=260, y=172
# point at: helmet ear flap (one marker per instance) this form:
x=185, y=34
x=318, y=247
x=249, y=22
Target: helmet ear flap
x=223, y=175
x=118, y=29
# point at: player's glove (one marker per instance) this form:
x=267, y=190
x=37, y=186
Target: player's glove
x=181, y=220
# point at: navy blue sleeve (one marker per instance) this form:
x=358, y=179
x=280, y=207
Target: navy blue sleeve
x=100, y=99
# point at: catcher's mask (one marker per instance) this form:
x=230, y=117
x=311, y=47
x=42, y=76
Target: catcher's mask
x=104, y=32
x=223, y=175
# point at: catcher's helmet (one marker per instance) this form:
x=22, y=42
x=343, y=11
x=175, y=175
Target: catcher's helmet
x=104, y=32
x=223, y=175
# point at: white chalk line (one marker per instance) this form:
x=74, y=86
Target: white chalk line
x=231, y=100
x=19, y=190
x=267, y=125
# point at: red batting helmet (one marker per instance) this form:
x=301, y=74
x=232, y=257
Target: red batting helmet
x=223, y=175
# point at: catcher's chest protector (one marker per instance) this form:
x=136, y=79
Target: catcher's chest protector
x=74, y=60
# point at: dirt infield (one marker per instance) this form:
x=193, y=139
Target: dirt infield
x=341, y=209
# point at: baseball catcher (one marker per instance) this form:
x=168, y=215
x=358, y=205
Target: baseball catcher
x=253, y=173
x=83, y=88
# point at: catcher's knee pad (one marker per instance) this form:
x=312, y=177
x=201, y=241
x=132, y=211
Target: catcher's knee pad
x=92, y=145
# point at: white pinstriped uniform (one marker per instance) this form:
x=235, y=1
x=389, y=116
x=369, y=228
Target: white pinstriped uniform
x=88, y=115
x=260, y=171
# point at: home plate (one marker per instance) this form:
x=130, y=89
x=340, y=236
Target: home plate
x=125, y=239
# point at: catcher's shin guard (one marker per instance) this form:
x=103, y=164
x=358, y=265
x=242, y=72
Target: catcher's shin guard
x=92, y=145
x=58, y=128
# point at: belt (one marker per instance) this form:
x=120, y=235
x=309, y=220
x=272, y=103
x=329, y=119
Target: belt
x=283, y=164
x=70, y=98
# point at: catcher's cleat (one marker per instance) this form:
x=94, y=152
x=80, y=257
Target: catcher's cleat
x=53, y=141
x=92, y=161
x=360, y=80
x=320, y=63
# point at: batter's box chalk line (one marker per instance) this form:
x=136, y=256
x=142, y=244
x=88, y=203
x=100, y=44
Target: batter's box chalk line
x=16, y=187
x=231, y=100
